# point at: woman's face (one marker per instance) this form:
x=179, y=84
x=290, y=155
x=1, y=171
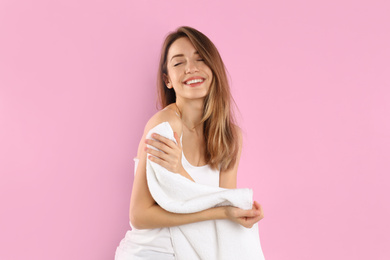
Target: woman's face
x=188, y=75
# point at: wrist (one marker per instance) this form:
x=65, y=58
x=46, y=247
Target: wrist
x=221, y=212
x=225, y=212
x=213, y=214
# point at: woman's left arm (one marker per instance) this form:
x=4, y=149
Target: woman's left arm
x=228, y=178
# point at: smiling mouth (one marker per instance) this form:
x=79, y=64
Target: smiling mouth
x=194, y=81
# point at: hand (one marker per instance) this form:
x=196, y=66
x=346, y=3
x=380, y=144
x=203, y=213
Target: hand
x=168, y=154
x=246, y=218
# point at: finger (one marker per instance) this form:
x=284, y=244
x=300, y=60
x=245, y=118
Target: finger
x=164, y=140
x=259, y=208
x=159, y=161
x=158, y=145
x=248, y=222
x=156, y=153
x=251, y=221
x=247, y=213
x=253, y=212
x=261, y=211
x=257, y=219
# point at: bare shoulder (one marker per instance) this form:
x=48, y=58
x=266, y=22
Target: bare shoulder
x=165, y=115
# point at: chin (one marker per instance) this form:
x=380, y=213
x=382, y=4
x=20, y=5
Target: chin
x=199, y=96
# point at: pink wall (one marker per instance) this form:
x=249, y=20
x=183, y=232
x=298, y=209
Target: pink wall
x=77, y=85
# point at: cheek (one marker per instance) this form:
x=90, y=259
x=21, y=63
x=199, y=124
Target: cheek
x=208, y=71
x=171, y=77
x=174, y=74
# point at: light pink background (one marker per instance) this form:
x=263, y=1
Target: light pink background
x=311, y=80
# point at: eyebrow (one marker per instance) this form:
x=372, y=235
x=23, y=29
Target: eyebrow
x=182, y=55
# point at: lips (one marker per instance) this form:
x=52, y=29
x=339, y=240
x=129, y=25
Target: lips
x=194, y=81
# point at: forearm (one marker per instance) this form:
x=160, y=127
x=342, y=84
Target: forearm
x=157, y=217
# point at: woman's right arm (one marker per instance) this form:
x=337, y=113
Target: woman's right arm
x=146, y=214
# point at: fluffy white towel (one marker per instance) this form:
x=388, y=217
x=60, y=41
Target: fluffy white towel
x=206, y=240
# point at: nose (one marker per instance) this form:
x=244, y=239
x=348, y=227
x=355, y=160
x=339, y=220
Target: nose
x=191, y=67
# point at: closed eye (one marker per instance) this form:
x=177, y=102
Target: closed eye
x=177, y=64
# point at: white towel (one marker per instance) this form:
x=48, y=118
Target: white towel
x=206, y=240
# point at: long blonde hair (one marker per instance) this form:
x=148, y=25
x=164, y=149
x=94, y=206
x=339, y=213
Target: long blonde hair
x=219, y=123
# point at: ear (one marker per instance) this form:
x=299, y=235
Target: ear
x=167, y=81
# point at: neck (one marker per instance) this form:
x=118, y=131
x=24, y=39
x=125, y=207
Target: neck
x=191, y=113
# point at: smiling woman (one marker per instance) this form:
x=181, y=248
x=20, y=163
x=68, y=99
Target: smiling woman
x=195, y=96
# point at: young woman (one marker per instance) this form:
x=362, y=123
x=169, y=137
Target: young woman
x=195, y=96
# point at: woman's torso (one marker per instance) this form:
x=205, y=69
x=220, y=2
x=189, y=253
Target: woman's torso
x=156, y=243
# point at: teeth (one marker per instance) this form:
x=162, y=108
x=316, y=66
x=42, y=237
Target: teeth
x=194, y=81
